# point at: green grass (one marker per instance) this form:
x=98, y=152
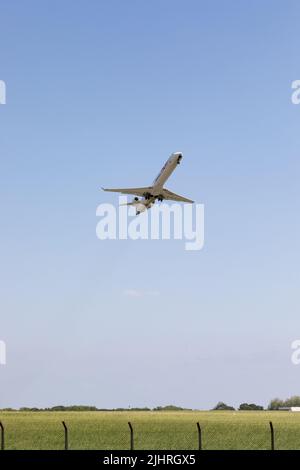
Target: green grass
x=152, y=430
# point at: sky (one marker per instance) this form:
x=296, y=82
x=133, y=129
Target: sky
x=100, y=93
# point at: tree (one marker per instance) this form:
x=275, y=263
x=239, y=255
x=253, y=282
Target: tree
x=168, y=408
x=275, y=404
x=250, y=407
x=221, y=406
x=293, y=401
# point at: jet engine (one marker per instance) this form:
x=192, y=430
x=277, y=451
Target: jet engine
x=140, y=208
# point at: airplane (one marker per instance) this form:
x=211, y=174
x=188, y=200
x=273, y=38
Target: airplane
x=146, y=197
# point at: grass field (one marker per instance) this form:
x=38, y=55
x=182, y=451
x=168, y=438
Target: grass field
x=152, y=430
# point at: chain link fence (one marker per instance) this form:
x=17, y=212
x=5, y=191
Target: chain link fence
x=157, y=436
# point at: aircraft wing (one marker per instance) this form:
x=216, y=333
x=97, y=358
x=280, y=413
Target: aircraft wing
x=169, y=196
x=134, y=191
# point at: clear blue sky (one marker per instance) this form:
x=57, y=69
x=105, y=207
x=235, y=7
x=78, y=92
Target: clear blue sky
x=99, y=93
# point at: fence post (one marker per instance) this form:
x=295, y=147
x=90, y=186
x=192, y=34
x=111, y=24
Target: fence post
x=131, y=436
x=66, y=436
x=199, y=436
x=2, y=436
x=272, y=436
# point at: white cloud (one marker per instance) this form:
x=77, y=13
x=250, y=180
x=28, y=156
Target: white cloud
x=132, y=293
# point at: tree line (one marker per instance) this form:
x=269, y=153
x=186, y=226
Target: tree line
x=94, y=408
x=275, y=404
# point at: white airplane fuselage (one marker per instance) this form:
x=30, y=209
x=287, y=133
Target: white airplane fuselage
x=165, y=173
x=157, y=186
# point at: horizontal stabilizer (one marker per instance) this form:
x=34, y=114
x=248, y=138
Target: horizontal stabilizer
x=169, y=196
x=134, y=191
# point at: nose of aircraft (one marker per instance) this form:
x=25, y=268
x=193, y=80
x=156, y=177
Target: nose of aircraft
x=178, y=157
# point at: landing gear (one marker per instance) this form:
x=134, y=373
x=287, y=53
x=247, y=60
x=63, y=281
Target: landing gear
x=147, y=196
x=160, y=198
